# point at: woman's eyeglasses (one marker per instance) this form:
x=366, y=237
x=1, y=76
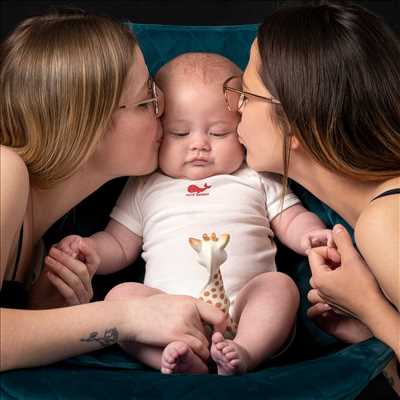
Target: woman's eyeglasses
x=156, y=99
x=235, y=98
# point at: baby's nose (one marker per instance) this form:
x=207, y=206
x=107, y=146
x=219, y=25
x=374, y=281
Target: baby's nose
x=200, y=142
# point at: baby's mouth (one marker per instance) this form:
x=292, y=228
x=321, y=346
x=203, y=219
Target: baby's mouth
x=199, y=161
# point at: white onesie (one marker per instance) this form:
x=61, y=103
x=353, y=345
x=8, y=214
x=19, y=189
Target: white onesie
x=166, y=211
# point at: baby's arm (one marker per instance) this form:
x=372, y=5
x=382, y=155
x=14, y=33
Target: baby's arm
x=116, y=246
x=300, y=229
x=72, y=262
x=111, y=250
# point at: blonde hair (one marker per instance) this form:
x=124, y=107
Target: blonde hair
x=61, y=77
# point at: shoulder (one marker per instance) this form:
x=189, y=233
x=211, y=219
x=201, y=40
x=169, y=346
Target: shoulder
x=379, y=216
x=11, y=158
x=377, y=229
x=14, y=192
x=14, y=173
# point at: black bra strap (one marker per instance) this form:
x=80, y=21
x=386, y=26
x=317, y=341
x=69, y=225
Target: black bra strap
x=20, y=239
x=387, y=193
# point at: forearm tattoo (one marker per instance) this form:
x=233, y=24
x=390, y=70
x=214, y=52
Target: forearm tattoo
x=110, y=337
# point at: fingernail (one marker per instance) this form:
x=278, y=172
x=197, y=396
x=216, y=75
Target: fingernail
x=307, y=251
x=338, y=228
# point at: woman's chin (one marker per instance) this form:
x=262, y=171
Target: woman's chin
x=147, y=170
x=259, y=166
x=253, y=165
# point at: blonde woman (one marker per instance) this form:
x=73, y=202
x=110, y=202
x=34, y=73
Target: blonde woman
x=77, y=108
x=320, y=104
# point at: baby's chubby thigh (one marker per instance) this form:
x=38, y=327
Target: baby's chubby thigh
x=128, y=290
x=271, y=293
x=265, y=311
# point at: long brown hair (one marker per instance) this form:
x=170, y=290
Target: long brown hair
x=61, y=76
x=335, y=69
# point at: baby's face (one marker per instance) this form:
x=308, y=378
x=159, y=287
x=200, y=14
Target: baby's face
x=200, y=138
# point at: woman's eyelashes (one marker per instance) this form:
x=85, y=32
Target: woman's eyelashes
x=145, y=105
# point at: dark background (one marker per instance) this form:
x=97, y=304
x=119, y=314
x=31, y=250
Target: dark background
x=219, y=12
x=92, y=214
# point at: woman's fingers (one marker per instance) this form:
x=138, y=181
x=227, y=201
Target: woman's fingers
x=318, y=310
x=69, y=279
x=312, y=284
x=66, y=292
x=322, y=260
x=76, y=266
x=315, y=297
x=343, y=242
x=73, y=272
x=212, y=315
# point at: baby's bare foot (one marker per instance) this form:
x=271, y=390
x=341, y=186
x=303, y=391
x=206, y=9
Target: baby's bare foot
x=230, y=357
x=178, y=357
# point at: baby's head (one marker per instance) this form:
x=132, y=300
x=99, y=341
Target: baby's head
x=200, y=138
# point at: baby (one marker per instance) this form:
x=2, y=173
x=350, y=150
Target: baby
x=203, y=186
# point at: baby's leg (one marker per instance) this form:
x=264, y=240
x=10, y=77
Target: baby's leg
x=266, y=311
x=176, y=357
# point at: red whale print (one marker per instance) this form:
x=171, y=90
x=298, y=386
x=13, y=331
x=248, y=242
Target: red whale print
x=196, y=189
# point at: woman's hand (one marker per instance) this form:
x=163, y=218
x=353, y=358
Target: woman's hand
x=342, y=278
x=70, y=267
x=343, y=286
x=160, y=319
x=345, y=328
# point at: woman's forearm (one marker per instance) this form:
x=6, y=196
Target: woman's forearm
x=32, y=338
x=384, y=322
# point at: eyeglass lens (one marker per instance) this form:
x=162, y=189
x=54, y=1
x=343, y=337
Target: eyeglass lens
x=156, y=96
x=234, y=98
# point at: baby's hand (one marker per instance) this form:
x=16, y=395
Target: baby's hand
x=70, y=246
x=317, y=238
x=70, y=267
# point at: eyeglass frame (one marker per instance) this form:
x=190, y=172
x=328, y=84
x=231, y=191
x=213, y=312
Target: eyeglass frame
x=243, y=94
x=155, y=99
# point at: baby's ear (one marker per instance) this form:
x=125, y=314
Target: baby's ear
x=196, y=244
x=223, y=240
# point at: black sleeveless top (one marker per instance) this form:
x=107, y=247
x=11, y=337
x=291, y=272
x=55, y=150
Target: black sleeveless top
x=13, y=294
x=387, y=193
